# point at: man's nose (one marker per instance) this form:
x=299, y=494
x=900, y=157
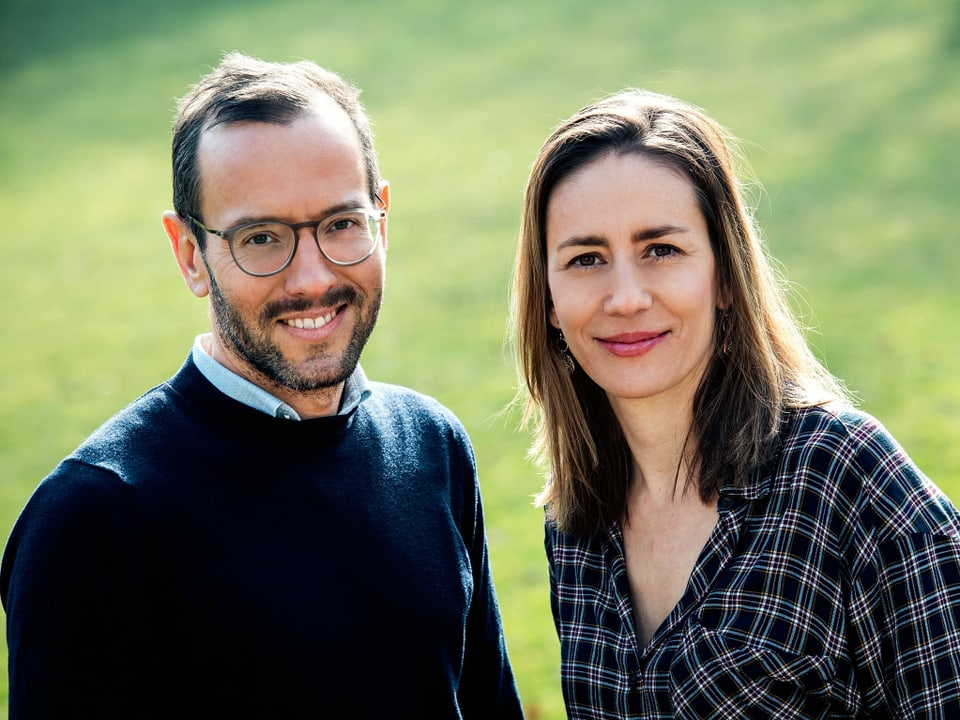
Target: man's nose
x=309, y=272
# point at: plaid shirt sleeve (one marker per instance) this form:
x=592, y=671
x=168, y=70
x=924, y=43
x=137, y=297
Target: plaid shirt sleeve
x=904, y=601
x=830, y=588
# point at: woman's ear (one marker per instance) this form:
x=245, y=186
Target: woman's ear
x=187, y=252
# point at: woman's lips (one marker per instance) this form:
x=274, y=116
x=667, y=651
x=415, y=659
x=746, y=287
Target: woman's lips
x=631, y=344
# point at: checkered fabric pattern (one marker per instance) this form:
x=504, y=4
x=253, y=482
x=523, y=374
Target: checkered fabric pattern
x=830, y=588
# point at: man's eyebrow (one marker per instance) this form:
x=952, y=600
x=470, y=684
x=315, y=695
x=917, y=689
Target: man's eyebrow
x=331, y=210
x=645, y=235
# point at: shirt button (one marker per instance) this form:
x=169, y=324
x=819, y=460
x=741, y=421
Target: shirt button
x=725, y=502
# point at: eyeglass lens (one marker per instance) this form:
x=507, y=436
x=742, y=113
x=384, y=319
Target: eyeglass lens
x=344, y=238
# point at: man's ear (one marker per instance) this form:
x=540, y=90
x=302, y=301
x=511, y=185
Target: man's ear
x=186, y=250
x=384, y=194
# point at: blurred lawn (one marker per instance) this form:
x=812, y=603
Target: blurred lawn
x=851, y=112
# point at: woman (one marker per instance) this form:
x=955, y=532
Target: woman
x=726, y=535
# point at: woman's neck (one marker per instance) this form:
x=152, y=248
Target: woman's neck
x=658, y=435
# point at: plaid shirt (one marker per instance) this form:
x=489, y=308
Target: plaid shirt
x=830, y=588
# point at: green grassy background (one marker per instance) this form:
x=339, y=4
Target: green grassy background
x=851, y=112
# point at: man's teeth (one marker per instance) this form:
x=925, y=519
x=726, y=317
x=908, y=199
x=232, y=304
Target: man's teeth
x=311, y=322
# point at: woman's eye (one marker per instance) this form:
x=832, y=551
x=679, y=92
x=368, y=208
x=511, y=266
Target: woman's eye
x=585, y=261
x=661, y=251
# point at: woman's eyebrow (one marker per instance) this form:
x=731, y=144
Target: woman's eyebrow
x=658, y=231
x=582, y=241
x=645, y=235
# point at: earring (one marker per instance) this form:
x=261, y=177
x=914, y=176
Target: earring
x=563, y=350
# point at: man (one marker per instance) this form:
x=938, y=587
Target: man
x=267, y=534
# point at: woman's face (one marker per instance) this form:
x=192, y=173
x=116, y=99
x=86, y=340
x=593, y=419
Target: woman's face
x=632, y=278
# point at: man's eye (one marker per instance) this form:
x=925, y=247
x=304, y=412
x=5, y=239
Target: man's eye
x=342, y=224
x=257, y=238
x=349, y=223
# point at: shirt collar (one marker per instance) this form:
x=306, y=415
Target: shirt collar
x=356, y=389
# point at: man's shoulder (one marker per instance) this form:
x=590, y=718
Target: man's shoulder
x=148, y=424
x=400, y=406
x=387, y=396
x=137, y=415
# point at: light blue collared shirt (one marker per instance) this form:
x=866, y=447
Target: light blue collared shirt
x=356, y=389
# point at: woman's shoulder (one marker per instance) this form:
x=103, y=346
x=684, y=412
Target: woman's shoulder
x=836, y=436
x=847, y=458
x=830, y=422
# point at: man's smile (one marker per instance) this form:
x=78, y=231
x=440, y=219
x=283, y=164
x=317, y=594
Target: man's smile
x=311, y=322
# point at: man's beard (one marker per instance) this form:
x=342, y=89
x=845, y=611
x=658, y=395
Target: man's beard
x=253, y=344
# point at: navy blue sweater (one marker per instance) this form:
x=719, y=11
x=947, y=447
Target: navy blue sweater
x=198, y=558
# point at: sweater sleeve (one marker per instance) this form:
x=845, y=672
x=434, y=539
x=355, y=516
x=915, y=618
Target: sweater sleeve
x=487, y=687
x=70, y=586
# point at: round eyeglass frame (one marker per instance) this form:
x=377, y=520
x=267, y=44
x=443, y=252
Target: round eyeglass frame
x=378, y=215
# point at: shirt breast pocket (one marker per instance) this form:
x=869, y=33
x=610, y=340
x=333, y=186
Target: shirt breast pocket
x=730, y=674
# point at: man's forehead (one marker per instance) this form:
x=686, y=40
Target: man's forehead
x=320, y=106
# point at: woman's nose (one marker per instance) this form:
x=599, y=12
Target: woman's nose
x=629, y=292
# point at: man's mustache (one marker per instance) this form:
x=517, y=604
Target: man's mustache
x=344, y=294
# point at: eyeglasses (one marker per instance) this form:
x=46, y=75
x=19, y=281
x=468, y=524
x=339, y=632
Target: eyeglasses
x=265, y=248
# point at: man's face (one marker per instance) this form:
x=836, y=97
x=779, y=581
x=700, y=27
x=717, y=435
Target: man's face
x=303, y=329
